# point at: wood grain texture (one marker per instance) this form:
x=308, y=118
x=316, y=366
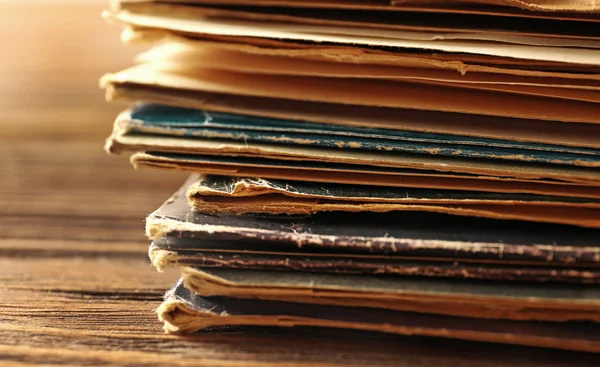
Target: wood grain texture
x=76, y=287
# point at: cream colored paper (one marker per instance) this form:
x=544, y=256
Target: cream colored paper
x=352, y=54
x=358, y=92
x=446, y=7
x=214, y=56
x=282, y=31
x=354, y=27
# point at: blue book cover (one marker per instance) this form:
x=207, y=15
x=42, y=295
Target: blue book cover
x=153, y=119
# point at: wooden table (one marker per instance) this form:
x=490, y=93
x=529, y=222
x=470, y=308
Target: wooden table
x=76, y=287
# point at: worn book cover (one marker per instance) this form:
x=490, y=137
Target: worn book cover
x=155, y=119
x=228, y=195
x=124, y=140
x=173, y=251
x=469, y=298
x=184, y=311
x=354, y=174
x=531, y=130
x=400, y=235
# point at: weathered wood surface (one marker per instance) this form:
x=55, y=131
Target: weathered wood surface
x=76, y=287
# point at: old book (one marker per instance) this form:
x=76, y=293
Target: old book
x=468, y=298
x=173, y=251
x=512, y=9
x=365, y=92
x=402, y=235
x=355, y=174
x=126, y=142
x=189, y=20
x=185, y=311
x=337, y=116
x=152, y=119
x=223, y=195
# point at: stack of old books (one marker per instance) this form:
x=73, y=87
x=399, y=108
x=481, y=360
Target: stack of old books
x=416, y=167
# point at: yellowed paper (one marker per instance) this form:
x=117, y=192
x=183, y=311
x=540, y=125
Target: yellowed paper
x=358, y=92
x=282, y=31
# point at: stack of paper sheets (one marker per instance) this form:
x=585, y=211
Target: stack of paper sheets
x=419, y=167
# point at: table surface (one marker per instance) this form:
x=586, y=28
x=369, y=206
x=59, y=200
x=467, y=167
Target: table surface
x=76, y=287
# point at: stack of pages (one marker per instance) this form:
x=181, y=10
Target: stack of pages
x=426, y=167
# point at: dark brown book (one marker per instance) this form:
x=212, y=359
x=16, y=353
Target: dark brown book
x=184, y=311
x=403, y=238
